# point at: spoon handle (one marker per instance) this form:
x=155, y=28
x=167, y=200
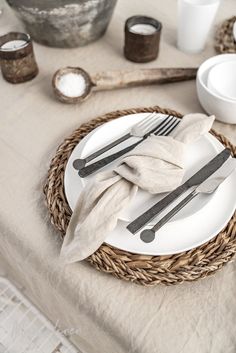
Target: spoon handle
x=148, y=235
x=118, y=79
x=175, y=210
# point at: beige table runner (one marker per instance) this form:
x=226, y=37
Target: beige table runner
x=108, y=315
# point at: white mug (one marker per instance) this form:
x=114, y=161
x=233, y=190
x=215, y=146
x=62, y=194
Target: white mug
x=195, y=19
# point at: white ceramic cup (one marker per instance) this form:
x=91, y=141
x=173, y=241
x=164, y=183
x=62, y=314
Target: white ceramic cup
x=195, y=19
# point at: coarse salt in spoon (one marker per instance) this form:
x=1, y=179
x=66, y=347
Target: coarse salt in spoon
x=72, y=85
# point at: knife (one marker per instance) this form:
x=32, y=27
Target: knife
x=195, y=180
x=206, y=187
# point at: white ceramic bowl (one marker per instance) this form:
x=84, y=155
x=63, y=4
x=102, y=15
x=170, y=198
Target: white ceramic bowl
x=222, y=79
x=234, y=30
x=223, y=108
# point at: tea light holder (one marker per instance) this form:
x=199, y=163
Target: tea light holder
x=17, y=57
x=142, y=38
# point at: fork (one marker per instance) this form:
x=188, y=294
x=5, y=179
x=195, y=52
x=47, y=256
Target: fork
x=164, y=129
x=138, y=130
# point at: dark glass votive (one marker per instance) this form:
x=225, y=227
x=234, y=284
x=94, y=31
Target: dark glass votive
x=142, y=38
x=17, y=57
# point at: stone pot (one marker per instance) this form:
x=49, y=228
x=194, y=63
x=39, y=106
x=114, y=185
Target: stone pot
x=64, y=23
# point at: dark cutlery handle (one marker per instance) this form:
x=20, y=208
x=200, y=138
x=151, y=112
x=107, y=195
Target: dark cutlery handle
x=90, y=169
x=152, y=212
x=83, y=172
x=174, y=211
x=196, y=179
x=107, y=147
x=148, y=235
x=81, y=162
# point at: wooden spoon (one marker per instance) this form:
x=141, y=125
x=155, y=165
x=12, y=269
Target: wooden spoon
x=120, y=79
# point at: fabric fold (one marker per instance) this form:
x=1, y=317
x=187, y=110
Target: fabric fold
x=156, y=165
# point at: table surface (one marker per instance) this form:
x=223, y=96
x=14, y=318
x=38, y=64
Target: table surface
x=108, y=314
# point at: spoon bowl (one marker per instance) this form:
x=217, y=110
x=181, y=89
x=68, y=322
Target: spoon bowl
x=56, y=80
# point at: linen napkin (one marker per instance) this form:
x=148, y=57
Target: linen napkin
x=156, y=165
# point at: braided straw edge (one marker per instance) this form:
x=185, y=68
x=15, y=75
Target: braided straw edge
x=224, y=39
x=146, y=270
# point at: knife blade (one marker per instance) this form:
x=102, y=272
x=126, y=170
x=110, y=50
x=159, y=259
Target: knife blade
x=195, y=180
x=206, y=187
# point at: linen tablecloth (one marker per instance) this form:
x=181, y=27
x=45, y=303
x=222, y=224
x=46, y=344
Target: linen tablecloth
x=106, y=314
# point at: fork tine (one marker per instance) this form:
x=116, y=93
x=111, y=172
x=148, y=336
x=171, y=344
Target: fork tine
x=151, y=123
x=159, y=126
x=162, y=125
x=176, y=123
x=166, y=127
x=143, y=122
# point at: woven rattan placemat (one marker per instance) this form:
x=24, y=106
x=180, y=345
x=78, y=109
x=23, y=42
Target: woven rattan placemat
x=146, y=270
x=224, y=39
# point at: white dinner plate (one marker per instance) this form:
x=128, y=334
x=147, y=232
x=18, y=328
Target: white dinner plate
x=191, y=227
x=196, y=155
